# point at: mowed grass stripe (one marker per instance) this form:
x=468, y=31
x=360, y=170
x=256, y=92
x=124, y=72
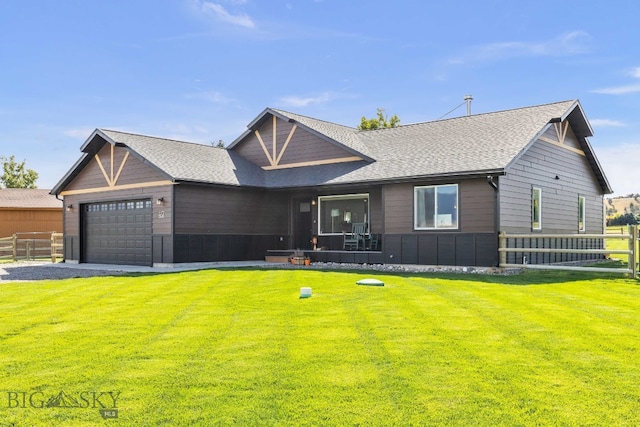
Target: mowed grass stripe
x=223, y=347
x=555, y=335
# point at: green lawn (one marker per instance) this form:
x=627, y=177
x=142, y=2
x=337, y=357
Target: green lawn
x=618, y=243
x=241, y=348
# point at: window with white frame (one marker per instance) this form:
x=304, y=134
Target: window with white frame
x=336, y=214
x=435, y=207
x=536, y=208
x=581, y=213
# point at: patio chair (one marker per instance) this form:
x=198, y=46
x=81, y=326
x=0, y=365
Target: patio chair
x=373, y=242
x=356, y=239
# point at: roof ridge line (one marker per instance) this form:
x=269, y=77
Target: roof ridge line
x=155, y=137
x=314, y=118
x=463, y=117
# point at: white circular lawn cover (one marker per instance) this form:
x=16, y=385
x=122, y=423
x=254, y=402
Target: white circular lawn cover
x=370, y=282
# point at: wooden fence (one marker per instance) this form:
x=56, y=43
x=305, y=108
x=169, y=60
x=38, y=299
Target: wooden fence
x=582, y=246
x=32, y=246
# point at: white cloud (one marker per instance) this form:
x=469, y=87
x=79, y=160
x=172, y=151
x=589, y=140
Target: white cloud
x=623, y=89
x=619, y=90
x=570, y=43
x=220, y=13
x=635, y=72
x=606, y=123
x=298, y=101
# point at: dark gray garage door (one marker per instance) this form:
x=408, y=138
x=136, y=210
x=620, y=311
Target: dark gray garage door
x=117, y=232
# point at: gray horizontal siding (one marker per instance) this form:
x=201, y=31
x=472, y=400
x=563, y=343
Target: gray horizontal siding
x=476, y=202
x=210, y=210
x=303, y=147
x=538, y=167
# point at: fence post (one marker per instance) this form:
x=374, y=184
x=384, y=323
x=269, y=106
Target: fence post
x=633, y=237
x=503, y=244
x=15, y=247
x=53, y=251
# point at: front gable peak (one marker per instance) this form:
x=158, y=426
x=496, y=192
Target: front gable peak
x=281, y=140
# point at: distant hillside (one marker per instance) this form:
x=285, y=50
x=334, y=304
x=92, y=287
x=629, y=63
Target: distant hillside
x=622, y=205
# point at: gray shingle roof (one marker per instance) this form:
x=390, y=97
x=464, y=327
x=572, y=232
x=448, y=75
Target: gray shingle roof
x=344, y=135
x=477, y=144
x=464, y=145
x=185, y=161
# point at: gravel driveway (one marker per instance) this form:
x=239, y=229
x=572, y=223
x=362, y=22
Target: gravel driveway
x=33, y=270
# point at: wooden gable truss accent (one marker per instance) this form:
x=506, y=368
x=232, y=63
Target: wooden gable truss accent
x=275, y=154
x=110, y=174
x=111, y=180
x=560, y=138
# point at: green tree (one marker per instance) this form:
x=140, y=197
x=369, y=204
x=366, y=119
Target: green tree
x=380, y=121
x=16, y=175
x=626, y=219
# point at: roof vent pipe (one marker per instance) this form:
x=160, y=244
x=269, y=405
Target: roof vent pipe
x=468, y=99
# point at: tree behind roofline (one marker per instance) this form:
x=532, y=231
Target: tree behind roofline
x=16, y=175
x=378, y=122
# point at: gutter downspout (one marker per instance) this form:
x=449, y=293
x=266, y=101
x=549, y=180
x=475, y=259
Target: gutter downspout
x=64, y=228
x=496, y=191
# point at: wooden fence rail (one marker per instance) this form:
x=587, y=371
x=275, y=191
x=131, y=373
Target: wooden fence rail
x=31, y=246
x=632, y=251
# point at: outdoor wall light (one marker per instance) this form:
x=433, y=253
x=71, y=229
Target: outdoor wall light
x=69, y=208
x=160, y=201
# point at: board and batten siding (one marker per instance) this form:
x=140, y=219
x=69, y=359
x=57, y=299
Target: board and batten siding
x=538, y=167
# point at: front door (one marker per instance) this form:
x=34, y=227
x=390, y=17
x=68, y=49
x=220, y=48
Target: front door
x=303, y=224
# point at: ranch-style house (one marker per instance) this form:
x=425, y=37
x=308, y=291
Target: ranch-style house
x=433, y=193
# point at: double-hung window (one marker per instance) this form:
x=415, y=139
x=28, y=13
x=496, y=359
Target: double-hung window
x=581, y=214
x=536, y=208
x=435, y=207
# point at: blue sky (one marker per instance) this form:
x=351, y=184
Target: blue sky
x=201, y=70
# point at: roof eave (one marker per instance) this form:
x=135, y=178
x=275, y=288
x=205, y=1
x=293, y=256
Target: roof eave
x=68, y=177
x=438, y=177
